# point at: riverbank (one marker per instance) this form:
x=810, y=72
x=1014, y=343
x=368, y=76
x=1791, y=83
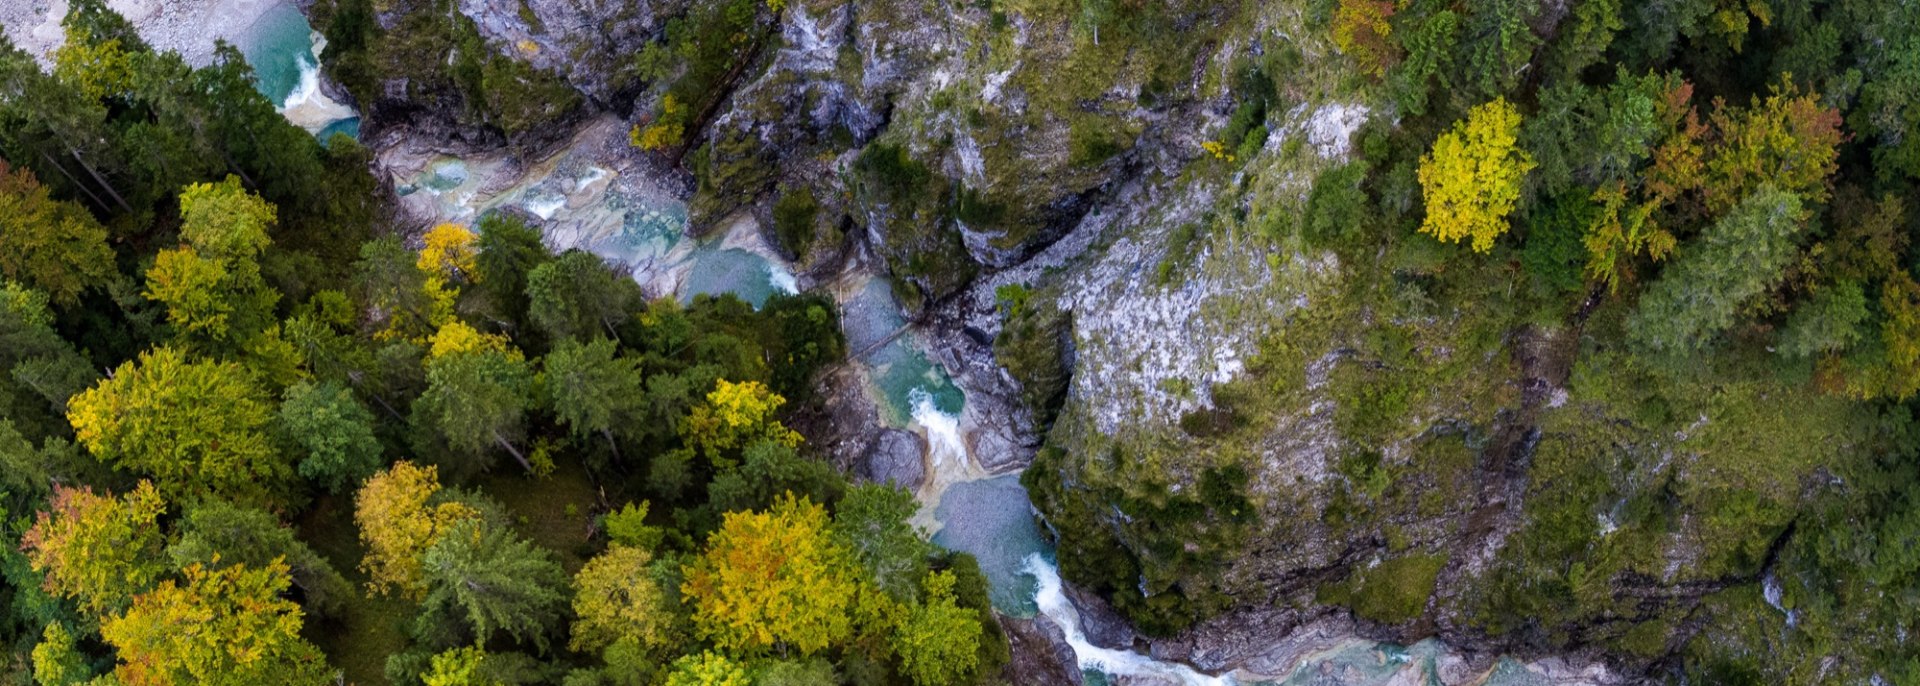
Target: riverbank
x=187, y=27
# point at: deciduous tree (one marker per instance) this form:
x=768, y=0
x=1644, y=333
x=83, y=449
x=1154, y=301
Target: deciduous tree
x=1472, y=177
x=333, y=430
x=1362, y=30
x=619, y=598
x=195, y=427
x=54, y=246
x=708, y=669
x=211, y=284
x=98, y=550
x=937, y=640
x=226, y=627
x=398, y=521
x=734, y=416
x=773, y=578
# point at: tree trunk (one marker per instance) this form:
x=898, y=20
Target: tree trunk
x=612, y=444
x=102, y=181
x=515, y=452
x=97, y=202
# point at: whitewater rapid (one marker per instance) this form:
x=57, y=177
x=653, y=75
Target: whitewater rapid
x=307, y=106
x=1054, y=605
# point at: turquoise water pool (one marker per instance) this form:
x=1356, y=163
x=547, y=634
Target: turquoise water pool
x=993, y=520
x=286, y=69
x=748, y=275
x=349, y=127
x=898, y=369
x=280, y=48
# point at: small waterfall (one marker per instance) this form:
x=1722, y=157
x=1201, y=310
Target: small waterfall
x=307, y=106
x=946, y=450
x=1773, y=594
x=1055, y=606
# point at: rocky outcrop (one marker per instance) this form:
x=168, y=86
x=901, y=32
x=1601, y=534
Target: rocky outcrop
x=591, y=42
x=896, y=457
x=1041, y=656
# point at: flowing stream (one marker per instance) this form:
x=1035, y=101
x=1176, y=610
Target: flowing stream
x=589, y=196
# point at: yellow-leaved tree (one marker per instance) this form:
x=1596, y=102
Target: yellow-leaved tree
x=773, y=578
x=619, y=600
x=98, y=550
x=398, y=522
x=447, y=259
x=224, y=627
x=1471, y=178
x=735, y=416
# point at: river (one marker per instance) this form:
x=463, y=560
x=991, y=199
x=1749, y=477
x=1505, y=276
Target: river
x=591, y=195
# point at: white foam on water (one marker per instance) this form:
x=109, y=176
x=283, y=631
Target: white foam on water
x=307, y=106
x=1053, y=603
x=544, y=207
x=782, y=280
x=946, y=450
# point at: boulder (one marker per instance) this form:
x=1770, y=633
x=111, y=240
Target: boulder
x=895, y=456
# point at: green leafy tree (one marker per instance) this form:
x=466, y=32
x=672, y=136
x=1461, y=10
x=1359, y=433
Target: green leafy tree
x=937, y=640
x=1498, y=45
x=393, y=288
x=872, y=522
x=195, y=427
x=491, y=581
x=768, y=470
x=333, y=431
x=56, y=247
x=57, y=661
x=576, y=295
x=628, y=526
x=211, y=285
x=217, y=534
x=1706, y=286
x=708, y=669
x=226, y=627
x=593, y=391
x=509, y=250
x=38, y=360
x=1831, y=320
x=477, y=398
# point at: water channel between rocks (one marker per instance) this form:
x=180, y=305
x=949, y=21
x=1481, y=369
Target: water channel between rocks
x=590, y=196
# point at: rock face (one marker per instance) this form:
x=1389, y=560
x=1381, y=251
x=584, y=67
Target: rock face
x=1041, y=656
x=592, y=42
